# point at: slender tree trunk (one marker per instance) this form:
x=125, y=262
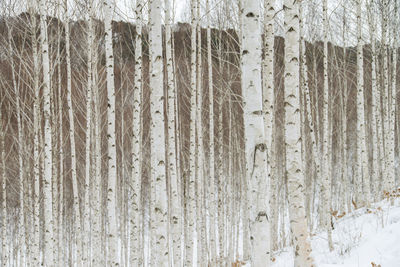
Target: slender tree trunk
x=268, y=107
x=86, y=215
x=48, y=257
x=362, y=175
x=98, y=255
x=256, y=148
x=175, y=208
x=36, y=157
x=61, y=242
x=385, y=123
x=308, y=112
x=295, y=178
x=189, y=240
x=211, y=192
x=159, y=206
x=136, y=252
x=200, y=222
x=327, y=139
x=392, y=116
x=376, y=121
x=221, y=226
x=75, y=204
x=345, y=179
x=112, y=256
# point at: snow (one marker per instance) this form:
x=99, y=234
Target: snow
x=360, y=239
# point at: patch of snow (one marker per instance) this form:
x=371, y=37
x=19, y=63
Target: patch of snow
x=360, y=239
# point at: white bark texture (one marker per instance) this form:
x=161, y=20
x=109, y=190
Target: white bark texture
x=362, y=173
x=268, y=111
x=36, y=123
x=295, y=178
x=327, y=139
x=48, y=258
x=191, y=202
x=385, y=101
x=175, y=207
x=211, y=188
x=98, y=256
x=135, y=219
x=75, y=205
x=159, y=201
x=255, y=142
x=86, y=214
x=112, y=234
x=392, y=116
x=200, y=222
x=376, y=114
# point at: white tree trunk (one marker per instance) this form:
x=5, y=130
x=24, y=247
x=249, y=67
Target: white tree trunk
x=211, y=189
x=191, y=204
x=48, y=258
x=61, y=241
x=376, y=114
x=200, y=222
x=362, y=174
x=98, y=255
x=112, y=234
x=255, y=142
x=327, y=140
x=136, y=222
x=268, y=111
x=385, y=111
x=175, y=207
x=75, y=204
x=159, y=202
x=295, y=179
x=308, y=112
x=392, y=117
x=36, y=157
x=86, y=214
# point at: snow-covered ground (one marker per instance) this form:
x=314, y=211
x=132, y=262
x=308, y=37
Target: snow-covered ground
x=360, y=239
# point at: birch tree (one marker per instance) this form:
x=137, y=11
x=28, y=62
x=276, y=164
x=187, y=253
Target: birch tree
x=87, y=231
x=191, y=203
x=112, y=256
x=376, y=107
x=174, y=210
x=159, y=202
x=36, y=124
x=136, y=247
x=295, y=178
x=362, y=175
x=255, y=143
x=75, y=205
x=48, y=258
x=327, y=138
x=268, y=107
x=212, y=203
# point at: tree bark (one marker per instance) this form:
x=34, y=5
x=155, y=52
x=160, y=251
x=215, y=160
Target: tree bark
x=159, y=206
x=48, y=257
x=255, y=142
x=112, y=256
x=295, y=178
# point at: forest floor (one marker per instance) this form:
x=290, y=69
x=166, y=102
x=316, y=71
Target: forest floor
x=364, y=238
